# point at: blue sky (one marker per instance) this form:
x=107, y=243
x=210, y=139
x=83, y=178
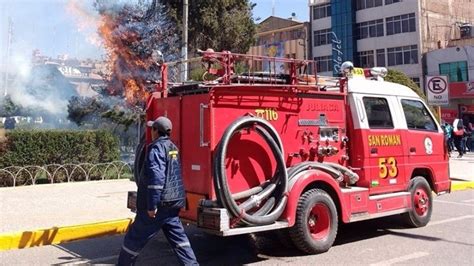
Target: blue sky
x=48, y=26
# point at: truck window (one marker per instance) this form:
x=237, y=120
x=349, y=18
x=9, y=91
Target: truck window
x=417, y=116
x=378, y=112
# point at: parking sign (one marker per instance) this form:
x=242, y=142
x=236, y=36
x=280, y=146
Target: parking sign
x=437, y=90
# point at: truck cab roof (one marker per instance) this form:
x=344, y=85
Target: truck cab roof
x=381, y=88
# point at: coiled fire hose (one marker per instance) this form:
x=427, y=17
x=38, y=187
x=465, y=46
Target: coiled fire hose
x=272, y=193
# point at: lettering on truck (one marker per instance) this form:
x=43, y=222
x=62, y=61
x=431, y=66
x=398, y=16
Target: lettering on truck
x=384, y=140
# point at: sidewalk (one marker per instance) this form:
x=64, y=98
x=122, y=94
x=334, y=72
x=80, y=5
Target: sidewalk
x=461, y=171
x=45, y=214
x=462, y=168
x=50, y=214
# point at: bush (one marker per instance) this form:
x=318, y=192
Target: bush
x=44, y=147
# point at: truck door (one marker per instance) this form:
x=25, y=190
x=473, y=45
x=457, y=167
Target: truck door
x=380, y=138
x=424, y=138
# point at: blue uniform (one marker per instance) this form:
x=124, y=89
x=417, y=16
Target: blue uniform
x=161, y=189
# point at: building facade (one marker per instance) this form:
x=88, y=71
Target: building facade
x=279, y=37
x=457, y=63
x=389, y=33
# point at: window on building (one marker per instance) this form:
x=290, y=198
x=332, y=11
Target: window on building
x=401, y=24
x=416, y=80
x=378, y=112
x=321, y=11
x=417, y=116
x=322, y=37
x=456, y=71
x=363, y=4
x=388, y=2
x=366, y=59
x=381, y=57
x=323, y=63
x=404, y=55
x=370, y=29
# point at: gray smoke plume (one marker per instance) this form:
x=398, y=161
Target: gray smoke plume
x=38, y=90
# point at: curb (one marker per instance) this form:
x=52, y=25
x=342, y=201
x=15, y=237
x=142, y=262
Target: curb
x=461, y=185
x=58, y=235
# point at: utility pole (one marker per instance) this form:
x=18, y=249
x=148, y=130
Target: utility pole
x=273, y=7
x=184, y=49
x=7, y=57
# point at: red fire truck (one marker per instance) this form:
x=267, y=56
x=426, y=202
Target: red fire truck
x=278, y=147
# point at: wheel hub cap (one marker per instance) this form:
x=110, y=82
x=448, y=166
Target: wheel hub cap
x=319, y=221
x=421, y=202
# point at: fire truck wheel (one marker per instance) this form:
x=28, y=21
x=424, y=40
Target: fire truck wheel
x=316, y=222
x=422, y=203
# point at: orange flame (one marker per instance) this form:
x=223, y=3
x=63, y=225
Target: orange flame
x=123, y=63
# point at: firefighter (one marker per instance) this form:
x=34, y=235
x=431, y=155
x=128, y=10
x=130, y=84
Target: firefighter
x=159, y=199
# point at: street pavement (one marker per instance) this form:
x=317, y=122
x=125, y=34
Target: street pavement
x=57, y=205
x=447, y=240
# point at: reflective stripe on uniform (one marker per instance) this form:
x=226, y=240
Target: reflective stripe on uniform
x=131, y=252
x=173, y=153
x=155, y=187
x=184, y=244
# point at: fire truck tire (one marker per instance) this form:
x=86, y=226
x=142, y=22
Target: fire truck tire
x=316, y=222
x=422, y=203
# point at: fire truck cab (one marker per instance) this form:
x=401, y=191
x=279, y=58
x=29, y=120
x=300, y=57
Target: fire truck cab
x=295, y=152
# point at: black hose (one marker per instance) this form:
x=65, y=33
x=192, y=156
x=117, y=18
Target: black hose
x=295, y=170
x=352, y=177
x=273, y=206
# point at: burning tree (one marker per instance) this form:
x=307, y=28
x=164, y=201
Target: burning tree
x=132, y=30
x=130, y=33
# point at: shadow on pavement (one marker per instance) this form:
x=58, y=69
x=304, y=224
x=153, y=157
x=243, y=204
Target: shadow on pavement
x=237, y=250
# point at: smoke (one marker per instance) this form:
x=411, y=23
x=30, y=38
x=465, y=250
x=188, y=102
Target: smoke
x=131, y=32
x=86, y=19
x=39, y=90
x=35, y=89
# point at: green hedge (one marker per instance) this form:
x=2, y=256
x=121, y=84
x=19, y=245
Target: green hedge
x=43, y=147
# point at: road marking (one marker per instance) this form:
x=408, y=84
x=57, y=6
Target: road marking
x=401, y=259
x=469, y=200
x=456, y=203
x=451, y=220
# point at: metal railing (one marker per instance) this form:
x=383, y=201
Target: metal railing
x=59, y=173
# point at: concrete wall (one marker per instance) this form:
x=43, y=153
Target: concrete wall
x=396, y=40
x=452, y=54
x=439, y=21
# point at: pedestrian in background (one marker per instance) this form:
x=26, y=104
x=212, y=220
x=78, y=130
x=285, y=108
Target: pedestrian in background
x=448, y=132
x=160, y=197
x=469, y=128
x=458, y=133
